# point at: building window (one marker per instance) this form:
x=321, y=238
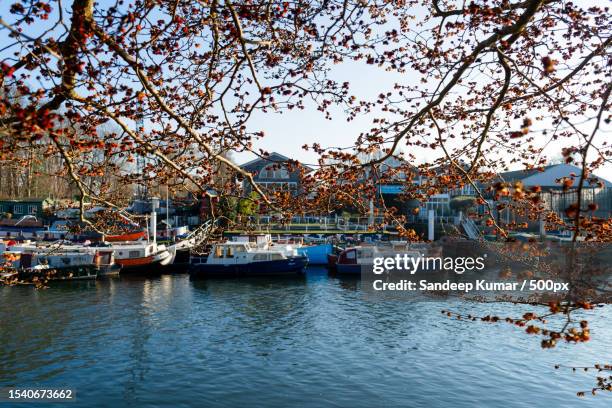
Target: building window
x=440, y=205
x=267, y=173
x=467, y=189
x=275, y=172
x=290, y=186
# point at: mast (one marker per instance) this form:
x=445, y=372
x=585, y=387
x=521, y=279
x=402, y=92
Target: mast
x=167, y=212
x=154, y=206
x=141, y=162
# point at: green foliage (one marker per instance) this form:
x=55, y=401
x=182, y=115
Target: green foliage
x=462, y=203
x=250, y=206
x=227, y=207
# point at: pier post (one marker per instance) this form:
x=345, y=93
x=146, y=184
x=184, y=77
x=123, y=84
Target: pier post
x=430, y=224
x=154, y=206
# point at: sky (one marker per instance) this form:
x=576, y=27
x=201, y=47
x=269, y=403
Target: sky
x=288, y=131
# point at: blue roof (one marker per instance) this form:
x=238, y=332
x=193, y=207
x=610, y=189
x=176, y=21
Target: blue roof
x=391, y=189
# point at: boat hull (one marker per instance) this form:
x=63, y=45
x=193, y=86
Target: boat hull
x=332, y=260
x=284, y=267
x=150, y=265
x=150, y=268
x=130, y=236
x=54, y=274
x=348, y=269
x=109, y=271
x=316, y=254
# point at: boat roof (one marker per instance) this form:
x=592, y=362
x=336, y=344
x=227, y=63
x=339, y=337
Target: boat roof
x=125, y=243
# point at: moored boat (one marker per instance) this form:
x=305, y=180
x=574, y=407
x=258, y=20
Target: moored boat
x=332, y=261
x=354, y=260
x=57, y=263
x=27, y=227
x=129, y=236
x=242, y=259
x=315, y=251
x=139, y=256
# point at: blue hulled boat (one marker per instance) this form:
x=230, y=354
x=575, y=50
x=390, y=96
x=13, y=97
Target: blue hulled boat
x=316, y=253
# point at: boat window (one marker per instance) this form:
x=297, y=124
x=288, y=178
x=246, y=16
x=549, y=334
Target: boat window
x=104, y=257
x=364, y=254
x=229, y=253
x=350, y=255
x=260, y=257
x=219, y=252
x=134, y=254
x=275, y=257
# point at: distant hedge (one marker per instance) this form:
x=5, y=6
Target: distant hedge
x=462, y=203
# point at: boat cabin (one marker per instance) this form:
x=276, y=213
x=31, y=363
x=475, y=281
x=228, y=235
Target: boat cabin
x=364, y=255
x=239, y=253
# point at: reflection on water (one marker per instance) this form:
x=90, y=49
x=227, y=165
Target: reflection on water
x=313, y=341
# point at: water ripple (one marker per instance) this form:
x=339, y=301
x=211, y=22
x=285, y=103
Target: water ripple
x=309, y=342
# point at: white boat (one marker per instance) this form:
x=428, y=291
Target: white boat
x=315, y=252
x=142, y=256
x=139, y=256
x=243, y=259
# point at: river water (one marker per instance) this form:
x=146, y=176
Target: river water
x=315, y=341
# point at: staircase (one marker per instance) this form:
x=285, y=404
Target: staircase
x=201, y=236
x=470, y=228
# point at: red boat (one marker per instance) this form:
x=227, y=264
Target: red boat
x=332, y=261
x=130, y=236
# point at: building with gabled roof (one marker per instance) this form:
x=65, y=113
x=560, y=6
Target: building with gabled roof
x=275, y=172
x=547, y=177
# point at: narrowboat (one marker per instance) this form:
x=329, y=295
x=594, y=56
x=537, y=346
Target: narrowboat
x=27, y=227
x=243, y=259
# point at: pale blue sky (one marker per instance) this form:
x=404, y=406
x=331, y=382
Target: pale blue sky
x=288, y=131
